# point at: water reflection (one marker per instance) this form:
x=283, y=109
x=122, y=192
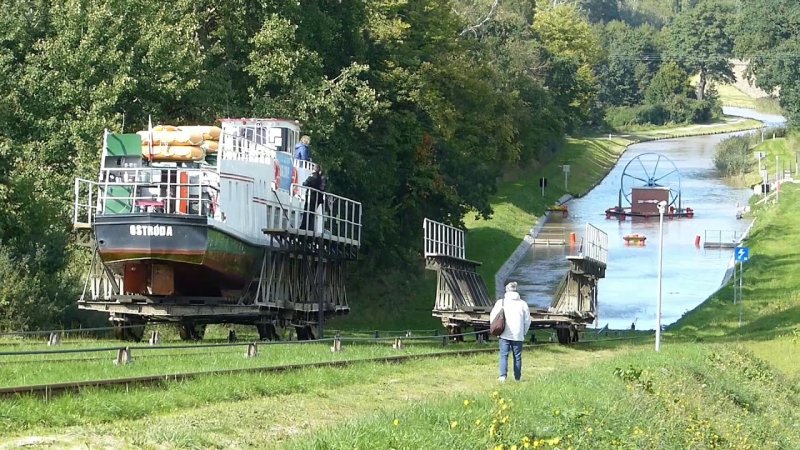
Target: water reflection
x=629, y=291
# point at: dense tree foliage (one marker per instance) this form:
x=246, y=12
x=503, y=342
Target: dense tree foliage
x=412, y=115
x=632, y=58
x=768, y=35
x=415, y=106
x=700, y=40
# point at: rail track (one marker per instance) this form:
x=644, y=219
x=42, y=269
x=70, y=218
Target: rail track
x=49, y=390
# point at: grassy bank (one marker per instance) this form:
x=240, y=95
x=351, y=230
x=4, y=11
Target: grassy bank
x=519, y=203
x=731, y=96
x=771, y=306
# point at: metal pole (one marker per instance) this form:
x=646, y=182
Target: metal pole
x=660, y=267
x=741, y=295
x=318, y=280
x=777, y=181
x=735, y=284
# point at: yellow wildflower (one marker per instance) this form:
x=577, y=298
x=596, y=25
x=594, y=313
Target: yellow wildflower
x=513, y=447
x=495, y=394
x=466, y=402
x=556, y=412
x=554, y=441
x=478, y=422
x=396, y=422
x=453, y=424
x=499, y=447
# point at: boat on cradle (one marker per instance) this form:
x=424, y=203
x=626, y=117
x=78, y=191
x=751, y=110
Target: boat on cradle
x=649, y=181
x=199, y=225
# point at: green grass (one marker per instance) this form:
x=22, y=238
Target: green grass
x=55, y=368
x=688, y=396
x=771, y=306
x=731, y=96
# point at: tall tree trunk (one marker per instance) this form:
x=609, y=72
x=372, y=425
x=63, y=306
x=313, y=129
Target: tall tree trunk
x=701, y=85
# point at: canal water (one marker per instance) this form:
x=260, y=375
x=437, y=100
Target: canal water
x=690, y=274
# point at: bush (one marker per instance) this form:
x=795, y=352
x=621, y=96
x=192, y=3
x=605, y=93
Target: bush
x=731, y=156
x=626, y=116
x=30, y=298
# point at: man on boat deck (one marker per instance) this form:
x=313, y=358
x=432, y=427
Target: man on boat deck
x=301, y=150
x=313, y=197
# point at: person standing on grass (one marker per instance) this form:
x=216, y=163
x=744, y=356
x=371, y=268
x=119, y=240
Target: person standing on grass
x=518, y=321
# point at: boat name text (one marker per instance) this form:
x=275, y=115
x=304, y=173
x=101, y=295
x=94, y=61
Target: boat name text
x=151, y=230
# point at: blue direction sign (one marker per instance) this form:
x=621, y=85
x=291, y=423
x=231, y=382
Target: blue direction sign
x=741, y=254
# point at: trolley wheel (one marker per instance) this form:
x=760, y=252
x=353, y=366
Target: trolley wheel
x=455, y=334
x=482, y=332
x=189, y=331
x=575, y=335
x=119, y=331
x=266, y=332
x=135, y=331
x=304, y=333
x=129, y=329
x=563, y=335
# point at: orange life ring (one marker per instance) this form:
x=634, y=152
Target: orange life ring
x=295, y=188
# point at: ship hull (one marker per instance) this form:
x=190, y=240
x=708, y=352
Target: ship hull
x=204, y=259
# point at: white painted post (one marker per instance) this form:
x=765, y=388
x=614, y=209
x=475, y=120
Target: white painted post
x=661, y=206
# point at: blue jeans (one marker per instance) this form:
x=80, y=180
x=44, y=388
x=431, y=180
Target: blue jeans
x=516, y=350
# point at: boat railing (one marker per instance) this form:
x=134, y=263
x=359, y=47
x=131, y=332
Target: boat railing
x=173, y=190
x=242, y=148
x=327, y=215
x=85, y=203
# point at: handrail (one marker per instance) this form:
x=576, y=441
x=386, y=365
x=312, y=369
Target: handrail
x=337, y=217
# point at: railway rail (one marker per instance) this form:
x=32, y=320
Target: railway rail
x=49, y=390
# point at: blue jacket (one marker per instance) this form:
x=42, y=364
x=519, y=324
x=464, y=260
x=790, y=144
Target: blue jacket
x=301, y=151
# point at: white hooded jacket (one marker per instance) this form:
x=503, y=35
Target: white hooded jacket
x=518, y=316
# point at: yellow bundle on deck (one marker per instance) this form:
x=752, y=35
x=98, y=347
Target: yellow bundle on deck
x=173, y=152
x=178, y=137
x=185, y=143
x=209, y=133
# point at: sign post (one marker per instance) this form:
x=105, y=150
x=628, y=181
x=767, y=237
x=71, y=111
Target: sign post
x=566, y=175
x=542, y=184
x=740, y=255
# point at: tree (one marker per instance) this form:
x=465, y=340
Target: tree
x=600, y=11
x=574, y=50
x=701, y=42
x=670, y=81
x=632, y=60
x=769, y=37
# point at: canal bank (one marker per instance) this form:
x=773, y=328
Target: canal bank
x=628, y=294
